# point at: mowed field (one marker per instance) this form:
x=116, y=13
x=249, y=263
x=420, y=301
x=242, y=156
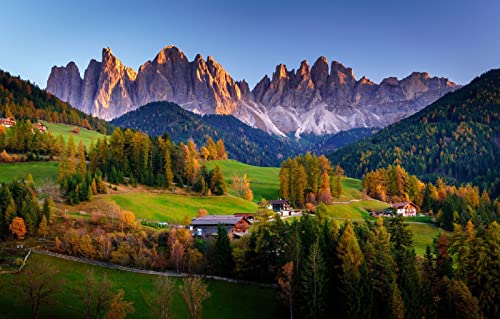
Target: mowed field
x=228, y=300
x=41, y=171
x=355, y=210
x=86, y=136
x=423, y=235
x=173, y=208
x=264, y=181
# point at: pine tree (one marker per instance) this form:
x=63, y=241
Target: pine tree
x=221, y=258
x=217, y=181
x=314, y=284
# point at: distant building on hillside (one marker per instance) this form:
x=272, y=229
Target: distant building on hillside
x=207, y=226
x=8, y=121
x=40, y=127
x=405, y=208
x=279, y=205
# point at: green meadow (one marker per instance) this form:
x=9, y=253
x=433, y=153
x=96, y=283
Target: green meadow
x=41, y=171
x=228, y=300
x=264, y=181
x=173, y=208
x=86, y=136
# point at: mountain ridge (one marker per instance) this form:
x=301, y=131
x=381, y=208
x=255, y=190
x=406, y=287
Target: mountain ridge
x=321, y=99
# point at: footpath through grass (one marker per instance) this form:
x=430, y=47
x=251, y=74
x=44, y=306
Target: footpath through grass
x=228, y=300
x=173, y=208
x=65, y=130
x=264, y=181
x=41, y=171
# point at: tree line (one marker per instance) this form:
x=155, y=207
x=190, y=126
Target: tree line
x=447, y=203
x=310, y=179
x=20, y=212
x=135, y=158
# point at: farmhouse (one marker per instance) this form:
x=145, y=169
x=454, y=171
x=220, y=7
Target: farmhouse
x=279, y=205
x=207, y=226
x=40, y=127
x=8, y=122
x=405, y=208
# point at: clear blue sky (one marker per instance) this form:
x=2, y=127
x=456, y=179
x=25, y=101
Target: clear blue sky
x=457, y=39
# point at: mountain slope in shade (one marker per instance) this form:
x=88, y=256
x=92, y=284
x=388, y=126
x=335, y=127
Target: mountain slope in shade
x=320, y=99
x=457, y=137
x=243, y=143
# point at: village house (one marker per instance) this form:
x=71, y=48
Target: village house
x=405, y=208
x=8, y=122
x=207, y=226
x=279, y=205
x=40, y=127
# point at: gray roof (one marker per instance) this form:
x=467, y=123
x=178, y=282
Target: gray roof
x=277, y=202
x=216, y=219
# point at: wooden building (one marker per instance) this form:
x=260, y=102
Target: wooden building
x=40, y=127
x=279, y=205
x=405, y=208
x=207, y=226
x=8, y=122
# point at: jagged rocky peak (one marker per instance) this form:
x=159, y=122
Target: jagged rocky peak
x=319, y=99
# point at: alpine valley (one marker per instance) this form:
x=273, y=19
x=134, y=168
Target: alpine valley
x=322, y=99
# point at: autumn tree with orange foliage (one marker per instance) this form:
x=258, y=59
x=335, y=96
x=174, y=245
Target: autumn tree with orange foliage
x=194, y=292
x=18, y=228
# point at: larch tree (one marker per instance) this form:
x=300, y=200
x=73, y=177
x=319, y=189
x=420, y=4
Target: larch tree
x=160, y=301
x=285, y=283
x=119, y=308
x=43, y=227
x=82, y=162
x=194, y=292
x=96, y=294
x=350, y=257
x=325, y=194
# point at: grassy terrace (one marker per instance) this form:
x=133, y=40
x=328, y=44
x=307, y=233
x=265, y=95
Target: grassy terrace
x=228, y=300
x=264, y=181
x=65, y=130
x=173, y=208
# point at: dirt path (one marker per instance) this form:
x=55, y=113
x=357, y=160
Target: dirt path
x=144, y=271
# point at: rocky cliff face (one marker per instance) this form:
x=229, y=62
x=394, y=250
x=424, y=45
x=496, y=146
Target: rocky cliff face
x=317, y=100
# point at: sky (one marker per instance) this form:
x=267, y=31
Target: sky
x=455, y=39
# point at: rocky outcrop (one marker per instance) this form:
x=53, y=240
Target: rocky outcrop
x=318, y=99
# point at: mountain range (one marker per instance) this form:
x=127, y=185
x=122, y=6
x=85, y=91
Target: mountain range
x=456, y=138
x=321, y=99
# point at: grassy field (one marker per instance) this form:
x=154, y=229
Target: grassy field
x=41, y=171
x=264, y=181
x=173, y=208
x=227, y=301
x=423, y=235
x=65, y=130
x=355, y=210
x=351, y=189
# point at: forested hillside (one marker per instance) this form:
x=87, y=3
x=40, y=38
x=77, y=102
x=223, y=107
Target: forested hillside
x=457, y=138
x=24, y=101
x=242, y=142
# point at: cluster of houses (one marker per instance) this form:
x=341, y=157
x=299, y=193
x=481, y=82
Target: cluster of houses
x=238, y=224
x=10, y=122
x=405, y=209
